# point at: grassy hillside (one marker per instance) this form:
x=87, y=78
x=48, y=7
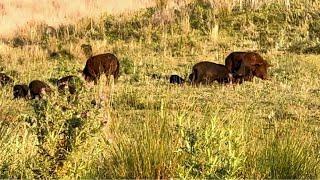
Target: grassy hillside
x=15, y=14
x=144, y=127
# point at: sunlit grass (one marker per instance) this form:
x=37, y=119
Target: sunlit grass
x=16, y=14
x=144, y=127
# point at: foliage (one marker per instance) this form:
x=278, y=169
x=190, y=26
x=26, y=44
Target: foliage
x=143, y=127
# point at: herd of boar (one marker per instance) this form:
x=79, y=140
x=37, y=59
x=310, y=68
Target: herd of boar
x=239, y=67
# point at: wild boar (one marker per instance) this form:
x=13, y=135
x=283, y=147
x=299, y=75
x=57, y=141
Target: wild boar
x=175, y=79
x=246, y=65
x=254, y=65
x=38, y=89
x=107, y=64
x=20, y=91
x=207, y=72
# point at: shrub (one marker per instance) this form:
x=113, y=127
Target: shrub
x=127, y=65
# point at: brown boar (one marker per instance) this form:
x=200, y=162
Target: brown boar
x=233, y=61
x=246, y=65
x=207, y=72
x=107, y=64
x=253, y=65
x=39, y=89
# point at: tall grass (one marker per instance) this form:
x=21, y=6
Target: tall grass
x=288, y=159
x=144, y=127
x=16, y=14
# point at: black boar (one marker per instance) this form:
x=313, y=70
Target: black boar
x=175, y=79
x=20, y=91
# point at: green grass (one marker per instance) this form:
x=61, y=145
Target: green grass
x=148, y=128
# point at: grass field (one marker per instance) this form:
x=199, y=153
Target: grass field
x=15, y=15
x=143, y=127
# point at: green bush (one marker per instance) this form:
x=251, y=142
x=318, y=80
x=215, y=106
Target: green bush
x=211, y=152
x=127, y=65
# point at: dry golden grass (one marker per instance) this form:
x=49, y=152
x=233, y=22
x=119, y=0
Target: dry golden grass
x=148, y=128
x=15, y=14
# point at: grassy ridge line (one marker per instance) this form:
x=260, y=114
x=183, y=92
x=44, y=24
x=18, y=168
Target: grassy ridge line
x=299, y=28
x=17, y=15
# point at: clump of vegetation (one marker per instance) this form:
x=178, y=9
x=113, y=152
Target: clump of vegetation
x=285, y=160
x=127, y=65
